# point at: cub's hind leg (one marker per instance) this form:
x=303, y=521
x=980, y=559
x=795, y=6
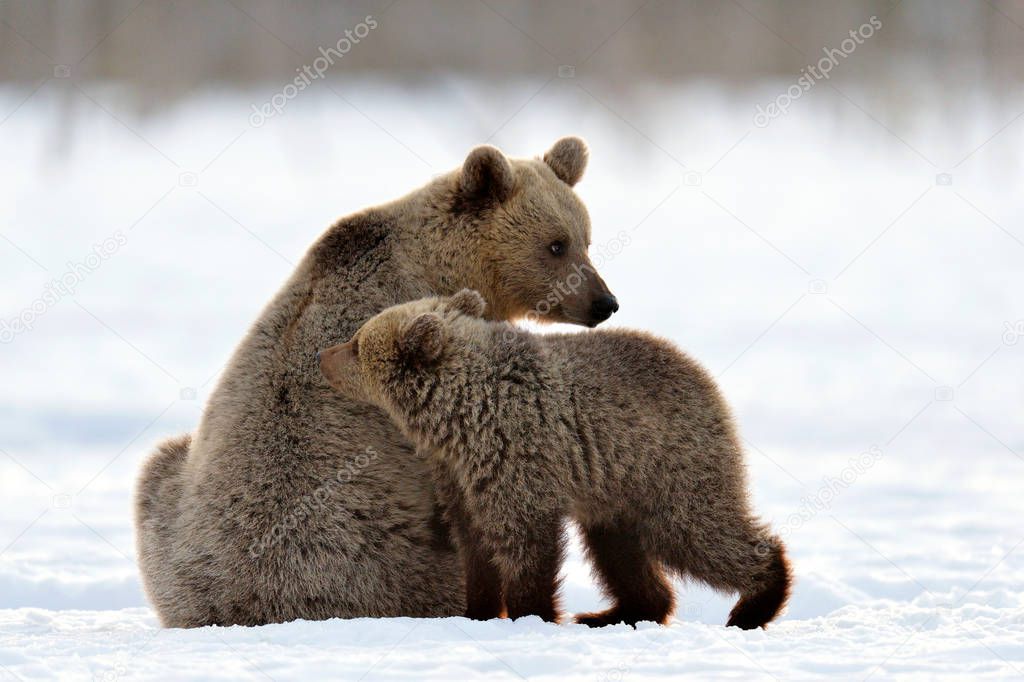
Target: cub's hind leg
x=737, y=556
x=529, y=559
x=760, y=605
x=483, y=582
x=630, y=577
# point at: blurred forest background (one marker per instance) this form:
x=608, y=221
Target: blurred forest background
x=165, y=50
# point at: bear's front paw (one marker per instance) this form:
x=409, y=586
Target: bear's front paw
x=616, y=615
x=598, y=619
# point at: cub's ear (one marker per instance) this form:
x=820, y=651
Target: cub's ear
x=487, y=174
x=468, y=301
x=568, y=158
x=422, y=340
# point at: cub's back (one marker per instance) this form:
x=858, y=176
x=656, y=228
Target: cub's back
x=627, y=368
x=638, y=396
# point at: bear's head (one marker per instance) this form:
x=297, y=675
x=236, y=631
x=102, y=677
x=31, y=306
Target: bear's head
x=520, y=235
x=398, y=343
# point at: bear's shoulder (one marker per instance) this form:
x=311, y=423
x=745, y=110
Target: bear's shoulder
x=356, y=238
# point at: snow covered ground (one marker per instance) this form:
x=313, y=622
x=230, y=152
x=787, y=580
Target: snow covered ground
x=882, y=640
x=861, y=307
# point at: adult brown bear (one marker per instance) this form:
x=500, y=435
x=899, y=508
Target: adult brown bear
x=291, y=501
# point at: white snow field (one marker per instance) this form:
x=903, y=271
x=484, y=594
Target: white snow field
x=852, y=272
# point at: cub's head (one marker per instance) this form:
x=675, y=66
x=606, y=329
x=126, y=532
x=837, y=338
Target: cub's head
x=395, y=345
x=526, y=235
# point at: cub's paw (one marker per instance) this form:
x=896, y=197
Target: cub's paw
x=629, y=616
x=484, y=612
x=612, y=616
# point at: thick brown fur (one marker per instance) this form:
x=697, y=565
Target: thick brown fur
x=617, y=430
x=292, y=501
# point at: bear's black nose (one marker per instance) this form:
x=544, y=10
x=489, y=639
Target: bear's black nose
x=603, y=307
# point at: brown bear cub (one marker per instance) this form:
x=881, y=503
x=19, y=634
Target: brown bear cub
x=618, y=430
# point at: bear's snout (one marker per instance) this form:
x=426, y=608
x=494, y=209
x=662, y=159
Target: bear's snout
x=602, y=308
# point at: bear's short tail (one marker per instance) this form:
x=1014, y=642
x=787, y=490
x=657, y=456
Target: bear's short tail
x=760, y=608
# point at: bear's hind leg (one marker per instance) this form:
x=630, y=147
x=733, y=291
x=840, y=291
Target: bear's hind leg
x=530, y=571
x=631, y=578
x=483, y=581
x=739, y=557
x=760, y=607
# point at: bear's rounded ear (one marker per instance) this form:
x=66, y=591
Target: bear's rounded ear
x=422, y=339
x=568, y=158
x=469, y=302
x=487, y=174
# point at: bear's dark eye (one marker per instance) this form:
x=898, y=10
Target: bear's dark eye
x=557, y=248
